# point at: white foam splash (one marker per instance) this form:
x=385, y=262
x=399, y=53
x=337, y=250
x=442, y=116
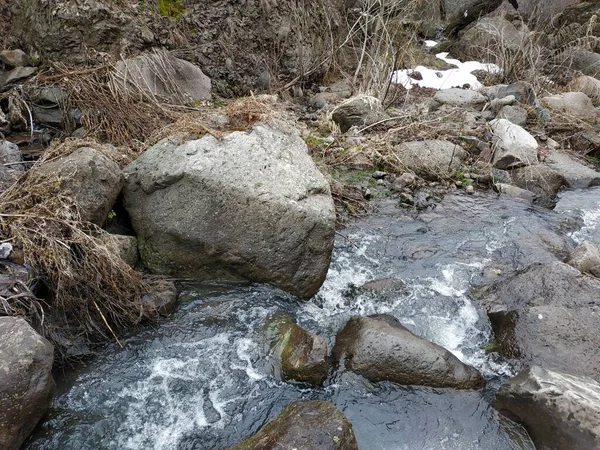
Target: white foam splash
x=443, y=79
x=591, y=220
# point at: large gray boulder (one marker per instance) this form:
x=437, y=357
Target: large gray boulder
x=582, y=60
x=576, y=175
x=304, y=425
x=301, y=355
x=432, y=159
x=165, y=77
x=251, y=206
x=548, y=315
x=574, y=104
x=559, y=411
x=512, y=145
x=590, y=86
x=90, y=177
x=26, y=384
x=381, y=349
x=490, y=35
x=541, y=180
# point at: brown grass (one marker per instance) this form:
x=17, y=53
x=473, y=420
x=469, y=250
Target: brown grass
x=94, y=292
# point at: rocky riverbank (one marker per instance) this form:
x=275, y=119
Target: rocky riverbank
x=121, y=176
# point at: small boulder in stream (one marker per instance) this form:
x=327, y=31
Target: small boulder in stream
x=250, y=206
x=432, y=159
x=586, y=258
x=559, y=411
x=26, y=383
x=302, y=355
x=540, y=179
x=380, y=349
x=549, y=315
x=304, y=425
x=513, y=146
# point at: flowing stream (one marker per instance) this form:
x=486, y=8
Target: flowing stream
x=202, y=379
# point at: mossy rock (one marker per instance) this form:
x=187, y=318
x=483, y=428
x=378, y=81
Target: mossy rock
x=302, y=355
x=171, y=9
x=306, y=425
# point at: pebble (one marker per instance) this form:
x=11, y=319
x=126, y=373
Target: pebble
x=378, y=175
x=5, y=250
x=470, y=190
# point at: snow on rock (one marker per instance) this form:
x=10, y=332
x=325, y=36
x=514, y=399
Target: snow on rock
x=444, y=79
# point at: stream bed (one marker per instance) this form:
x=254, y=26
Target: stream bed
x=202, y=379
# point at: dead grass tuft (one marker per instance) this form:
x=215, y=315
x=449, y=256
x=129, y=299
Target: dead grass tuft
x=94, y=292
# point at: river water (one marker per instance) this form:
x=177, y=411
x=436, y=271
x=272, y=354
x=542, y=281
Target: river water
x=202, y=378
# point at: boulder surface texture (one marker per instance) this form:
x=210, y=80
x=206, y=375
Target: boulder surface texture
x=26, y=384
x=251, y=206
x=380, y=349
x=559, y=411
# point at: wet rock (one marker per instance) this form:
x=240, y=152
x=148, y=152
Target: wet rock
x=514, y=114
x=26, y=384
x=431, y=159
x=459, y=97
x=577, y=175
x=575, y=104
x=521, y=90
x=304, y=425
x=541, y=180
x=17, y=74
x=15, y=58
x=384, y=288
x=586, y=258
x=404, y=181
x=548, y=315
x=516, y=192
x=164, y=76
x=358, y=111
x=513, y=146
x=161, y=298
x=90, y=177
x=123, y=246
x=381, y=349
x=302, y=355
x=188, y=199
x=590, y=86
x=559, y=411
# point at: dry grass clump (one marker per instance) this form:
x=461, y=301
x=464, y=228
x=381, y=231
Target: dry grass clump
x=94, y=292
x=110, y=111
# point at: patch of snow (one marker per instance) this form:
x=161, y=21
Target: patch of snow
x=430, y=44
x=444, y=79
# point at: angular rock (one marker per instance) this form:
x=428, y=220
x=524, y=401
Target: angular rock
x=162, y=75
x=432, y=159
x=541, y=180
x=459, y=97
x=582, y=60
x=514, y=114
x=15, y=58
x=590, y=86
x=559, y=411
x=548, y=314
x=384, y=287
x=575, y=104
x=123, y=246
x=358, y=111
x=302, y=355
x=188, y=201
x=304, y=425
x=461, y=13
x=404, y=181
x=521, y=90
x=380, y=349
x=577, y=175
x=586, y=258
x=17, y=74
x=495, y=33
x=513, y=146
x=11, y=156
x=26, y=384
x=91, y=178
x=516, y=192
